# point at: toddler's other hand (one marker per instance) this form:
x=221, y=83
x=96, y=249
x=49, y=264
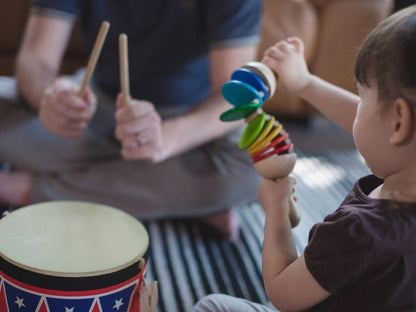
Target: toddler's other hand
x=286, y=59
x=274, y=195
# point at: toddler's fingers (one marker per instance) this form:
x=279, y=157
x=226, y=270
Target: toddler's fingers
x=277, y=52
x=279, y=43
x=297, y=43
x=270, y=62
x=267, y=51
x=284, y=46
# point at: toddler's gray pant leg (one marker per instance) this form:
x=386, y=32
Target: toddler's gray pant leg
x=226, y=303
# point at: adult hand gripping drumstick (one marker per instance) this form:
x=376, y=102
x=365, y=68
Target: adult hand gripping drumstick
x=65, y=109
x=139, y=127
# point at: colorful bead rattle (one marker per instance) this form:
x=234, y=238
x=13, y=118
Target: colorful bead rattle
x=264, y=137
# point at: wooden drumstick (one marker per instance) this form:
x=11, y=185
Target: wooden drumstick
x=94, y=57
x=124, y=68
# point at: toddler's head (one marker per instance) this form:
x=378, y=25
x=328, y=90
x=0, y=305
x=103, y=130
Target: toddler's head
x=385, y=123
x=388, y=58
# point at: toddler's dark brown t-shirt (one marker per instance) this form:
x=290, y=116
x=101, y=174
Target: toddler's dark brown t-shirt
x=364, y=253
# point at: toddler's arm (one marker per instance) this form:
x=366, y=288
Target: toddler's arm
x=286, y=59
x=288, y=283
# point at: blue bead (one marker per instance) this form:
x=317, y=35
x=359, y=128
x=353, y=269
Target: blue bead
x=247, y=76
x=238, y=93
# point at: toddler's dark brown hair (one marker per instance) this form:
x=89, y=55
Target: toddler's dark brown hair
x=388, y=57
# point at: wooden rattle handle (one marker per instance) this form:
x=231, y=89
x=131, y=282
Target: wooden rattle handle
x=278, y=167
x=294, y=215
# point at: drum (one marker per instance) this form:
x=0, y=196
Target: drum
x=71, y=256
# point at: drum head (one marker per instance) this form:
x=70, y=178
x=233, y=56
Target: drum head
x=71, y=238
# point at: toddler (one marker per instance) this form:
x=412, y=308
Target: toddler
x=362, y=257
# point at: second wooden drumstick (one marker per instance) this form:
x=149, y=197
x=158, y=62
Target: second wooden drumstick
x=124, y=68
x=98, y=45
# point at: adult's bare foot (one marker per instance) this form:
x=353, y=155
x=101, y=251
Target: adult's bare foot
x=15, y=188
x=225, y=222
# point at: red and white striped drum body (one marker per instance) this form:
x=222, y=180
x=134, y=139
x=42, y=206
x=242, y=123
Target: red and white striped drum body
x=71, y=257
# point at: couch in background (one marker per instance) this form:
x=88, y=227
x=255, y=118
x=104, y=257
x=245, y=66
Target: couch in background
x=331, y=29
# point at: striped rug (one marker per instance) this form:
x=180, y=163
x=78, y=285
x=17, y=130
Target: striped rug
x=189, y=264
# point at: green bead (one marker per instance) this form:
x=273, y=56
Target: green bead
x=239, y=112
x=252, y=131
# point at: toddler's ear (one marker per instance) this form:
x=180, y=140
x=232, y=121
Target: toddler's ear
x=403, y=122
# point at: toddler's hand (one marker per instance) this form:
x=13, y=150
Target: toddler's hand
x=286, y=59
x=274, y=195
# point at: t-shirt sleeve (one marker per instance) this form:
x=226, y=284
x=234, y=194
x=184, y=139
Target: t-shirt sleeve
x=232, y=23
x=59, y=8
x=336, y=252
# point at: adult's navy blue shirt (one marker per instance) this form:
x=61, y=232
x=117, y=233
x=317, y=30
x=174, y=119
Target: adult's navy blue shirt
x=169, y=41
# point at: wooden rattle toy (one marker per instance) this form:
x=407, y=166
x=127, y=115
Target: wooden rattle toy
x=264, y=137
